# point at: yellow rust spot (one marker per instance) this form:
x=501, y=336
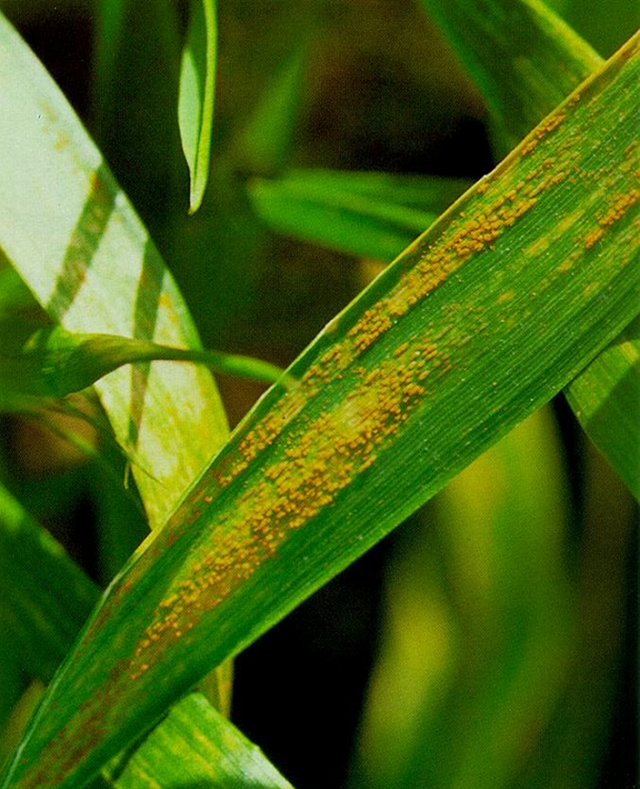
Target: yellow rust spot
x=325, y=448
x=617, y=208
x=319, y=460
x=466, y=235
x=589, y=290
x=538, y=247
x=541, y=131
x=592, y=237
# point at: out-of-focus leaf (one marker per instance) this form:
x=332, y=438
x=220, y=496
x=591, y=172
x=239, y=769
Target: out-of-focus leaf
x=264, y=142
x=578, y=737
x=197, y=94
x=480, y=322
x=467, y=637
x=372, y=215
x=525, y=60
x=75, y=240
x=603, y=25
x=44, y=600
x=522, y=56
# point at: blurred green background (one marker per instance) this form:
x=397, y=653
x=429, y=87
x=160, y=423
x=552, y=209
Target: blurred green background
x=492, y=640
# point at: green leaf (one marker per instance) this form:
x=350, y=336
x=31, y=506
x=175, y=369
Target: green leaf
x=512, y=50
x=479, y=625
x=525, y=60
x=481, y=321
x=577, y=741
x=366, y=214
x=197, y=92
x=264, y=142
x=606, y=399
x=196, y=747
x=73, y=237
x=45, y=598
x=55, y=362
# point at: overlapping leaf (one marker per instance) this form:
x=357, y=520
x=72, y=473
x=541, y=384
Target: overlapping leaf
x=481, y=321
x=73, y=237
x=372, y=214
x=55, y=363
x=525, y=60
x=45, y=600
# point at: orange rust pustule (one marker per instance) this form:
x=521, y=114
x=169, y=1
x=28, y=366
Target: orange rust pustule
x=321, y=460
x=618, y=207
x=463, y=239
x=325, y=452
x=541, y=131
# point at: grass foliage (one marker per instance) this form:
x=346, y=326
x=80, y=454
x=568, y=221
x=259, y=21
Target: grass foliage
x=214, y=177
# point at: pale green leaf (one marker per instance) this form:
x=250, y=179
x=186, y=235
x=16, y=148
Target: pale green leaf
x=197, y=93
x=481, y=321
x=196, y=747
x=73, y=237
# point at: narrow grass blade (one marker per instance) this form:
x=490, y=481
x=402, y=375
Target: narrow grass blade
x=469, y=637
x=197, y=94
x=525, y=60
x=372, y=215
x=45, y=598
x=55, y=363
x=75, y=240
x=482, y=320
